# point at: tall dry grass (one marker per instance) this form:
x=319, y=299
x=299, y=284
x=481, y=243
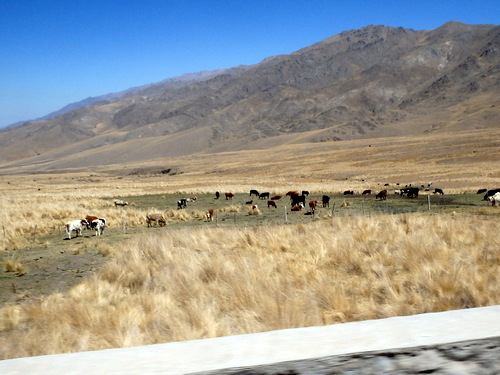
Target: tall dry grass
x=25, y=217
x=208, y=282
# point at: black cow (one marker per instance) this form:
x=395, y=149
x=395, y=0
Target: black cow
x=481, y=191
x=305, y=192
x=367, y=192
x=254, y=192
x=217, y=195
x=264, y=195
x=296, y=199
x=182, y=203
x=325, y=199
x=438, y=191
x=490, y=193
x=412, y=192
x=348, y=192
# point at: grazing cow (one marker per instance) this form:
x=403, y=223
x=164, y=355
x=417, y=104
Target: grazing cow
x=75, y=225
x=305, y=192
x=348, y=192
x=210, y=214
x=249, y=202
x=192, y=199
x=182, y=203
x=481, y=191
x=229, y=196
x=381, y=195
x=398, y=192
x=490, y=193
x=312, y=205
x=438, y=191
x=98, y=225
x=495, y=199
x=155, y=218
x=271, y=204
x=367, y=192
x=296, y=199
x=292, y=193
x=120, y=203
x=264, y=195
x=297, y=207
x=325, y=199
x=276, y=197
x=254, y=192
x=217, y=195
x=412, y=192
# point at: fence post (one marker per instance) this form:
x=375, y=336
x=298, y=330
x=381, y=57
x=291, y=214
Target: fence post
x=124, y=225
x=286, y=216
x=429, y=202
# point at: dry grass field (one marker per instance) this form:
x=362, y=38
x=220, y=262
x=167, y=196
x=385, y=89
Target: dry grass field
x=247, y=273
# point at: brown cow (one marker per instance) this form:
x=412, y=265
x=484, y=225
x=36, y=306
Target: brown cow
x=229, y=196
x=155, y=218
x=276, y=197
x=292, y=193
x=271, y=204
x=312, y=205
x=298, y=207
x=210, y=214
x=382, y=195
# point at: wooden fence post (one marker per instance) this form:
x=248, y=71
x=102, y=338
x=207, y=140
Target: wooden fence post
x=286, y=216
x=124, y=225
x=429, y=202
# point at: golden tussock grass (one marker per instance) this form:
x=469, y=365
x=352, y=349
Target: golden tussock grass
x=208, y=282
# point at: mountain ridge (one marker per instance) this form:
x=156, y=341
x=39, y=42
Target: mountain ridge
x=373, y=81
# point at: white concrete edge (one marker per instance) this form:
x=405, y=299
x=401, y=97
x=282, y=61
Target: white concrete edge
x=270, y=347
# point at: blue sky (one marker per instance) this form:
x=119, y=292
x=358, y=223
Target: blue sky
x=55, y=52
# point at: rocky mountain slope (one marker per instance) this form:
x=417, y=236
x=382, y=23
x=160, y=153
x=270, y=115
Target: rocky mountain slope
x=371, y=82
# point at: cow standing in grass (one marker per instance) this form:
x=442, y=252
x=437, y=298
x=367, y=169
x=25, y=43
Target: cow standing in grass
x=76, y=226
x=155, y=218
x=210, y=214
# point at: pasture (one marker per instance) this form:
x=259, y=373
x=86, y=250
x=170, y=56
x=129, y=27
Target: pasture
x=360, y=258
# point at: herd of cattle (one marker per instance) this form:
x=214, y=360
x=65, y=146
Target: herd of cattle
x=297, y=203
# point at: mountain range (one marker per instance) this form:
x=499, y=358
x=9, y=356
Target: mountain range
x=376, y=81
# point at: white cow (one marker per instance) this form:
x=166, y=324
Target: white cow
x=495, y=199
x=98, y=225
x=75, y=225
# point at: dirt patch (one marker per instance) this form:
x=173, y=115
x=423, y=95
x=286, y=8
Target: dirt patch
x=49, y=268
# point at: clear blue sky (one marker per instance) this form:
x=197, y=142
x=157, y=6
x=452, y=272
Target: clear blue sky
x=55, y=52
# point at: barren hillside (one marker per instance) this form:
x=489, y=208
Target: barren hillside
x=372, y=82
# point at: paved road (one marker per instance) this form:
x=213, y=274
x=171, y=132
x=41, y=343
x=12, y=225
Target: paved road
x=355, y=340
